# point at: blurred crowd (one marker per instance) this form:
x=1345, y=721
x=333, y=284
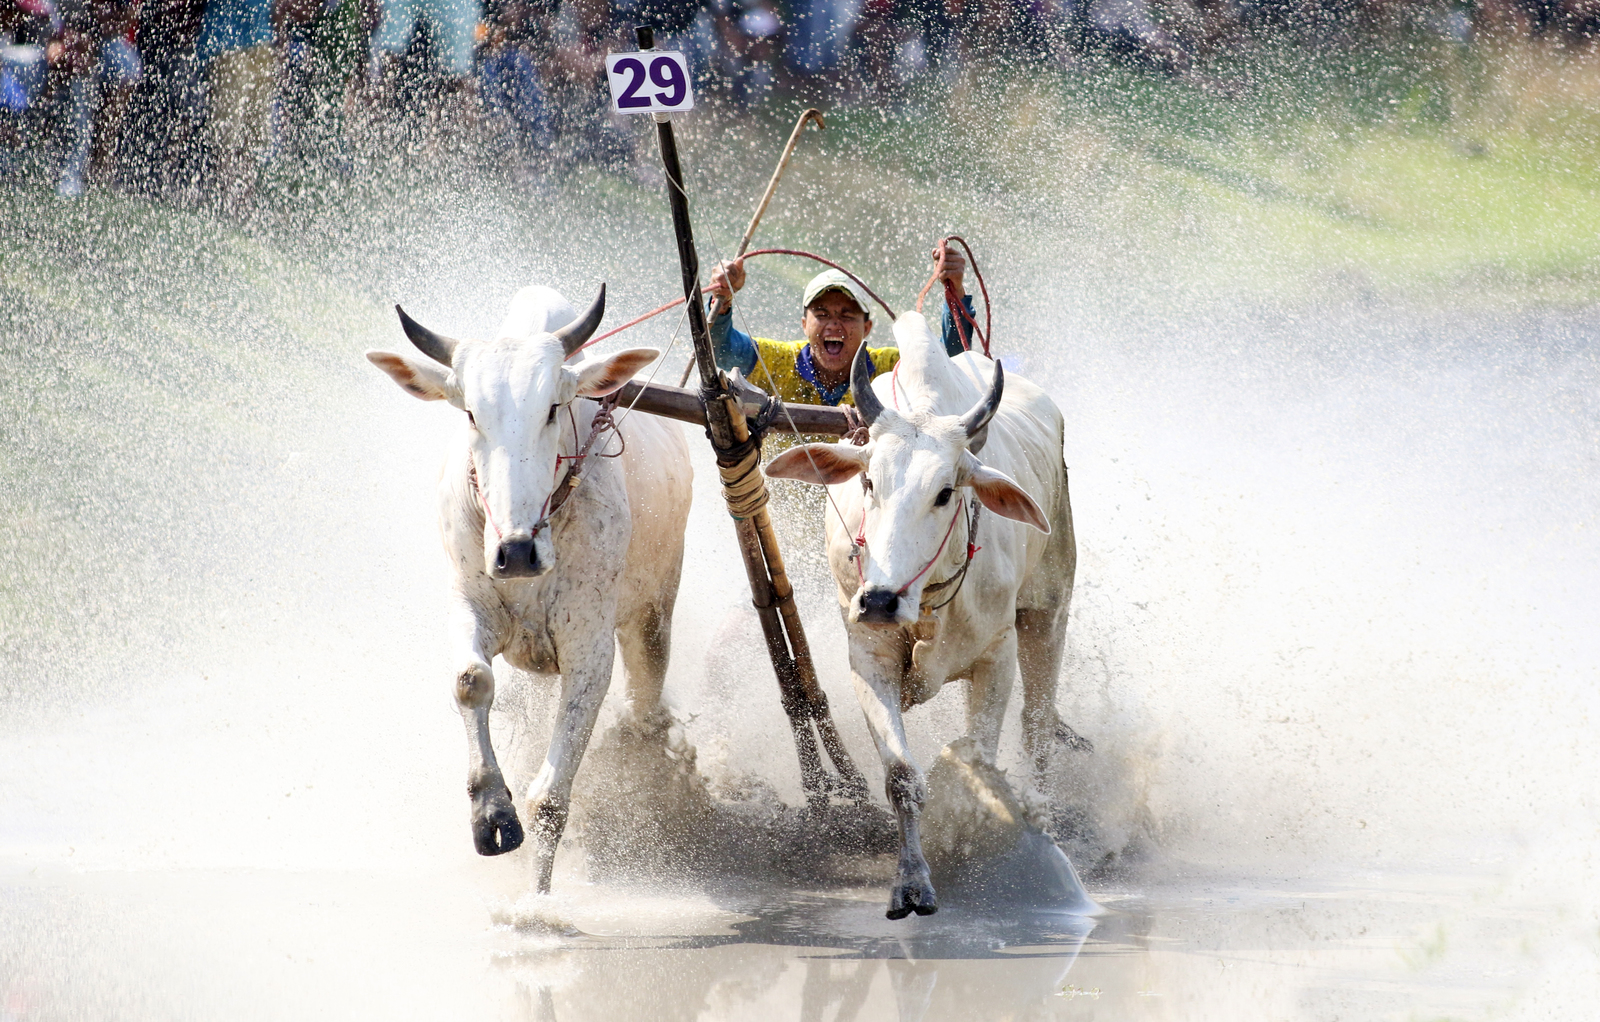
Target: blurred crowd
x=198, y=97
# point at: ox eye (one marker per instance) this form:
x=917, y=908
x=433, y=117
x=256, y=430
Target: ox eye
x=866, y=484
x=548, y=419
x=470, y=420
x=944, y=497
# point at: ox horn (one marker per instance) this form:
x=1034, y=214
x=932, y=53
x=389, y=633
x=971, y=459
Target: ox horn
x=977, y=420
x=581, y=329
x=867, y=402
x=438, y=347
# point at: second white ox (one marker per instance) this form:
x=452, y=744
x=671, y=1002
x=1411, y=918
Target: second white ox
x=549, y=589
x=921, y=605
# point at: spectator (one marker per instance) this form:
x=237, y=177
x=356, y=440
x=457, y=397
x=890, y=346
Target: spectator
x=820, y=34
x=899, y=40
x=1129, y=29
x=241, y=70
x=26, y=27
x=160, y=149
x=425, y=48
x=94, y=55
x=323, y=47
x=748, y=38
x=1571, y=20
x=581, y=104
x=519, y=43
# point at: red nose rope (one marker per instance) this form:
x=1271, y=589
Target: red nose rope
x=859, y=554
x=603, y=421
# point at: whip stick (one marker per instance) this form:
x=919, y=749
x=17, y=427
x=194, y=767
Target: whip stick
x=811, y=114
x=744, y=490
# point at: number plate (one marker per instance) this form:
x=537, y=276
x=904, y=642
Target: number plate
x=653, y=82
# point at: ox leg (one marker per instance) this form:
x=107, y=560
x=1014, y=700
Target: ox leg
x=495, y=828
x=583, y=689
x=988, y=693
x=646, y=644
x=1041, y=641
x=903, y=783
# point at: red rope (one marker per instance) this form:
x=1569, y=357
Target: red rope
x=477, y=484
x=861, y=541
x=958, y=310
x=778, y=251
x=937, y=554
x=826, y=262
x=632, y=322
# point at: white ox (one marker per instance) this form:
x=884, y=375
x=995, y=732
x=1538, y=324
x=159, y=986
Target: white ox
x=914, y=621
x=548, y=590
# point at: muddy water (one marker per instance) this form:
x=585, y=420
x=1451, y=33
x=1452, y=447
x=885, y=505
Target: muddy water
x=1332, y=640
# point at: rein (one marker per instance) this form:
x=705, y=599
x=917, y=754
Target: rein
x=761, y=252
x=602, y=422
x=958, y=311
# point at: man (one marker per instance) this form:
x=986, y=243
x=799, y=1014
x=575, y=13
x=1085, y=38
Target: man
x=449, y=27
x=91, y=51
x=236, y=48
x=324, y=46
x=836, y=320
x=159, y=151
x=511, y=81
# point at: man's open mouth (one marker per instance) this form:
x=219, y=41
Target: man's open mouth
x=833, y=347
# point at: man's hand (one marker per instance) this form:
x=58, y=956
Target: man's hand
x=953, y=269
x=727, y=278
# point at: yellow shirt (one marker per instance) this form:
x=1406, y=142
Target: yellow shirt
x=779, y=371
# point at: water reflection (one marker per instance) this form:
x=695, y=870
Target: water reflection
x=851, y=963
x=265, y=945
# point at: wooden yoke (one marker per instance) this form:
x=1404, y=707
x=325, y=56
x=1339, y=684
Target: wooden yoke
x=744, y=488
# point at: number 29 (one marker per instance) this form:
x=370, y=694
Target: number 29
x=665, y=73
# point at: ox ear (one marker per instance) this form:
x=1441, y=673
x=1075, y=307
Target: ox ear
x=422, y=380
x=1001, y=494
x=598, y=377
x=823, y=464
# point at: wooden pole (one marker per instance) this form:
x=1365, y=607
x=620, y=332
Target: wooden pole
x=744, y=488
x=685, y=406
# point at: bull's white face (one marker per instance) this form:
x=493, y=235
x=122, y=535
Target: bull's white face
x=516, y=395
x=915, y=473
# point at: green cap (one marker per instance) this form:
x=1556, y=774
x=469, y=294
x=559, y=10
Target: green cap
x=835, y=280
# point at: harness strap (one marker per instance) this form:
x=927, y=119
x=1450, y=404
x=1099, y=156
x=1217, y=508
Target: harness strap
x=602, y=422
x=960, y=577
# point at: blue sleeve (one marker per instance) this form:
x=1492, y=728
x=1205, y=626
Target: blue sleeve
x=732, y=347
x=952, y=336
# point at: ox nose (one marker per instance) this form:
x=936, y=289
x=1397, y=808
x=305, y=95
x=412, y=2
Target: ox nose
x=516, y=557
x=878, y=605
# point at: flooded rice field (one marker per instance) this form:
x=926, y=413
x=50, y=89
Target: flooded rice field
x=1332, y=635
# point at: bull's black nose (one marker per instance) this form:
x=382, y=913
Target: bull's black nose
x=516, y=558
x=878, y=605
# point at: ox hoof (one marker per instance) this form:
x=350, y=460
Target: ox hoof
x=913, y=894
x=495, y=827
x=1072, y=740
